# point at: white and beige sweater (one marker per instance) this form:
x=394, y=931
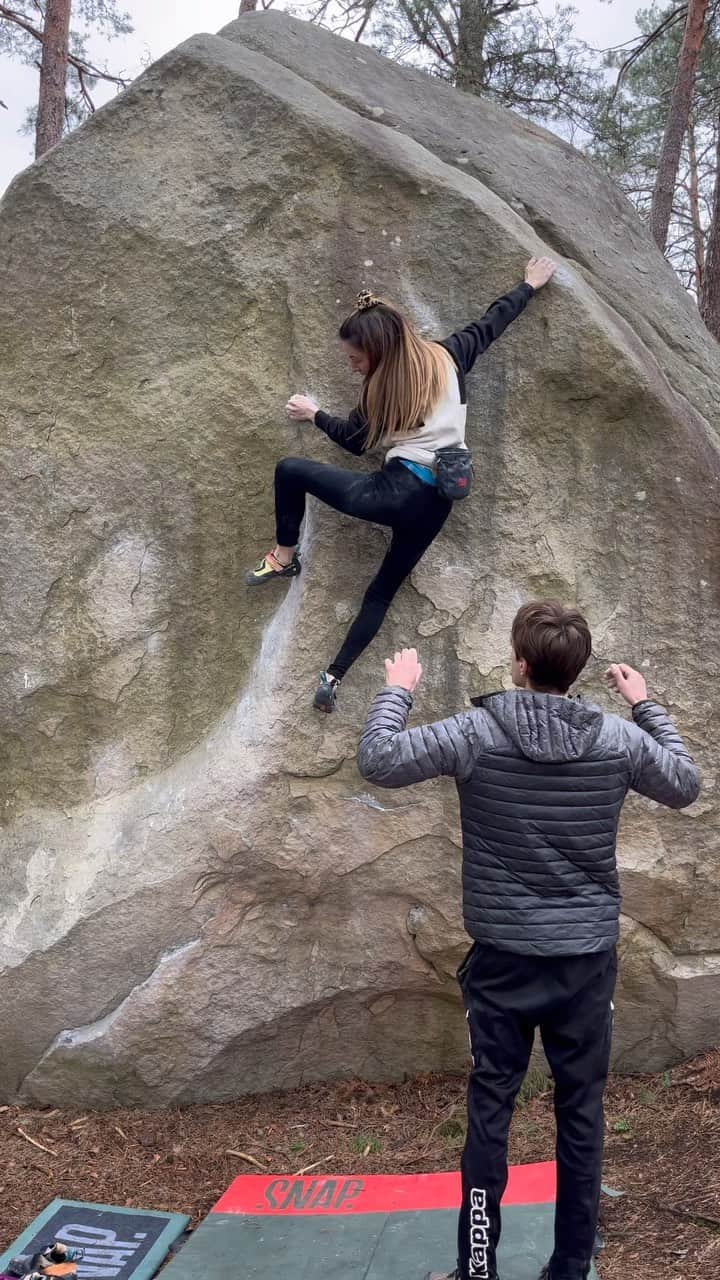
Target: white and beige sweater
x=445, y=426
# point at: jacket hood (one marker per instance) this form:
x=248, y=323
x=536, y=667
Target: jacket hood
x=544, y=726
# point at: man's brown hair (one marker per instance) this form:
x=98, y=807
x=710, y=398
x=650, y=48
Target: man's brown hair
x=554, y=641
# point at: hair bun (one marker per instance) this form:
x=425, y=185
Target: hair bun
x=366, y=300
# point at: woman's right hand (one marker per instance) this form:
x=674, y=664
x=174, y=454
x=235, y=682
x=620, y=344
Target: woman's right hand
x=539, y=271
x=301, y=409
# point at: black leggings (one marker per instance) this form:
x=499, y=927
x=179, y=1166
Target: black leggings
x=394, y=497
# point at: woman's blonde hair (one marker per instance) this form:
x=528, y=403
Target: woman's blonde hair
x=406, y=375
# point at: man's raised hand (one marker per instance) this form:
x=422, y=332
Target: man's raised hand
x=404, y=670
x=630, y=684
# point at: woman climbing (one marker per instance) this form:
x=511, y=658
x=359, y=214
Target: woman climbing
x=412, y=404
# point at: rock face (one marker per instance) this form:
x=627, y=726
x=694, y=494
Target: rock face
x=200, y=896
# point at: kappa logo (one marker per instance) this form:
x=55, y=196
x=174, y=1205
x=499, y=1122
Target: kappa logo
x=479, y=1234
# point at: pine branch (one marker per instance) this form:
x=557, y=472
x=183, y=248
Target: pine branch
x=84, y=91
x=678, y=15
x=82, y=67
x=368, y=15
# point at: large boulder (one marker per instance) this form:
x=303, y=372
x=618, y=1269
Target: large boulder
x=199, y=894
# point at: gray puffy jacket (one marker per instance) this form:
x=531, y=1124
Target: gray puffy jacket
x=541, y=780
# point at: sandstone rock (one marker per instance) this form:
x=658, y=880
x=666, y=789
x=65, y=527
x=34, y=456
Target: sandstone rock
x=200, y=895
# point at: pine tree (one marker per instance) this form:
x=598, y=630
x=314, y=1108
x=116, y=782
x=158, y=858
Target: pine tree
x=710, y=288
x=507, y=50
x=53, y=37
x=629, y=126
x=678, y=120
x=53, y=74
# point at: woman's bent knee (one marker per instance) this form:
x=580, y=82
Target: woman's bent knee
x=289, y=468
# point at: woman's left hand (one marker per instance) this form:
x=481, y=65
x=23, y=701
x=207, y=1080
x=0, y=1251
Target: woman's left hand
x=301, y=408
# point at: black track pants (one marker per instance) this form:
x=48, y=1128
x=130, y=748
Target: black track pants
x=506, y=997
x=393, y=497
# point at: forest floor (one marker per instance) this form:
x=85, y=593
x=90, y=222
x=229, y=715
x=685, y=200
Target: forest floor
x=662, y=1153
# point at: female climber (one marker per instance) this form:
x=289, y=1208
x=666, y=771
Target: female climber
x=412, y=404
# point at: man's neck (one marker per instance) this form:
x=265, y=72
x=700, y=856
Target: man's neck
x=554, y=693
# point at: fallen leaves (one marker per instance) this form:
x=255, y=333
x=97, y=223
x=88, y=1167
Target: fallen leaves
x=179, y=1159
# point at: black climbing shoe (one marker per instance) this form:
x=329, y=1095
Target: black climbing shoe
x=452, y=1275
x=548, y=1273
x=57, y=1252
x=270, y=568
x=326, y=693
x=56, y=1259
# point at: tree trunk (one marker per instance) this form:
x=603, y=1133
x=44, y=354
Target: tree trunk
x=710, y=294
x=677, y=121
x=53, y=73
x=247, y=6
x=698, y=237
x=474, y=20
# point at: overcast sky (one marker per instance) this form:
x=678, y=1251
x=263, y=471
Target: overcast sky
x=162, y=24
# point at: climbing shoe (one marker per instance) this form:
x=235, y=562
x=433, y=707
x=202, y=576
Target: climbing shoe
x=57, y=1252
x=54, y=1259
x=270, y=568
x=452, y=1275
x=549, y=1273
x=326, y=693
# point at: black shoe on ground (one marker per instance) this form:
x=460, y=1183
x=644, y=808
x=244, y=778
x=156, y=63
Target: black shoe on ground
x=326, y=693
x=452, y=1275
x=549, y=1273
x=57, y=1252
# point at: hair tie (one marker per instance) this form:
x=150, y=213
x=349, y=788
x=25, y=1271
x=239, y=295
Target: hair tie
x=366, y=300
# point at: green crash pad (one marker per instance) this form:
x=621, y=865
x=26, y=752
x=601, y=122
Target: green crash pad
x=348, y=1228
x=119, y=1244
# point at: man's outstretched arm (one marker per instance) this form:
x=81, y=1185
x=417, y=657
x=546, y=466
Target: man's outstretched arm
x=391, y=755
